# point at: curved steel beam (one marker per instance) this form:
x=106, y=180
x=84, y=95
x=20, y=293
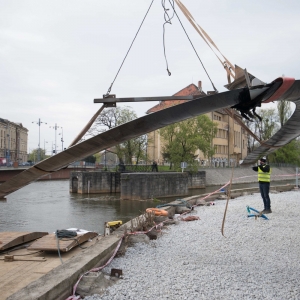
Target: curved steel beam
x=287, y=133
x=122, y=133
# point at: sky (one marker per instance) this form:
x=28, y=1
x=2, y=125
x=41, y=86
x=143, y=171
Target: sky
x=56, y=57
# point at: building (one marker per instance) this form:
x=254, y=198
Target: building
x=230, y=142
x=13, y=142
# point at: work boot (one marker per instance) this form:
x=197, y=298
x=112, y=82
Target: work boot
x=267, y=211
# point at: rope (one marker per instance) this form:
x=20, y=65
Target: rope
x=193, y=47
x=228, y=198
x=226, y=64
x=167, y=21
x=60, y=234
x=109, y=89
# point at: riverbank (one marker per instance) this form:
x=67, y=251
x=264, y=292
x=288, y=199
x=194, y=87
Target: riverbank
x=192, y=260
x=220, y=176
x=61, y=282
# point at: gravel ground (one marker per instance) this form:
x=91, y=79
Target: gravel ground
x=258, y=259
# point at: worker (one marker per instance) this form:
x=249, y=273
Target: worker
x=154, y=167
x=264, y=174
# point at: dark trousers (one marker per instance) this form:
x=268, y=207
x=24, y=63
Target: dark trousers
x=264, y=188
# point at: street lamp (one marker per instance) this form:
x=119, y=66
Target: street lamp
x=55, y=128
x=62, y=139
x=45, y=142
x=39, y=122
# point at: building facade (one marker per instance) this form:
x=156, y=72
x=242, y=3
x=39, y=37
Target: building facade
x=230, y=143
x=13, y=142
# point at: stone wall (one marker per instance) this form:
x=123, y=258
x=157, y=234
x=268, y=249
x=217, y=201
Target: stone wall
x=197, y=180
x=94, y=182
x=138, y=186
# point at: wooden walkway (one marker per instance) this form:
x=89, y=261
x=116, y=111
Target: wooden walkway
x=50, y=242
x=12, y=239
x=27, y=266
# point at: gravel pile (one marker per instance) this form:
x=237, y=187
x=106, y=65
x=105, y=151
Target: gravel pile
x=258, y=259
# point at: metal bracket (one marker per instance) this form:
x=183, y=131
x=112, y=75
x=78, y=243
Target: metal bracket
x=116, y=273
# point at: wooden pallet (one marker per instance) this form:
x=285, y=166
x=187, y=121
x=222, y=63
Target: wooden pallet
x=49, y=242
x=12, y=239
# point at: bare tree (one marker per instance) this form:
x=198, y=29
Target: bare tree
x=113, y=117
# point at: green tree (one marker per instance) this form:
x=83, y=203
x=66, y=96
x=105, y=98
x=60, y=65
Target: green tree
x=184, y=138
x=34, y=154
x=288, y=154
x=90, y=159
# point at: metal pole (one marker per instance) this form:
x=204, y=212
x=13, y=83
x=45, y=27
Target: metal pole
x=39, y=150
x=55, y=137
x=297, y=184
x=62, y=139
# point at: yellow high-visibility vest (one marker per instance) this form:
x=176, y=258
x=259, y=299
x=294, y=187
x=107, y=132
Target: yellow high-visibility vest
x=264, y=176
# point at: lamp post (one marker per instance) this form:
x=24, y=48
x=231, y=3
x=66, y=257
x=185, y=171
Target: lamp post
x=39, y=122
x=62, y=139
x=55, y=128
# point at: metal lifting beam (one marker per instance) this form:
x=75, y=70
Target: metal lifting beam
x=112, y=99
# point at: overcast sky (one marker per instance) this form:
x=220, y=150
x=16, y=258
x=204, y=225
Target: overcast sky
x=56, y=57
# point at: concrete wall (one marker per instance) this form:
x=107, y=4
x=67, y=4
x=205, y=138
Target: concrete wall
x=138, y=186
x=197, y=180
x=94, y=182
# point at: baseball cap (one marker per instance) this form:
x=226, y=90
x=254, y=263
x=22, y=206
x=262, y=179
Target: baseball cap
x=263, y=159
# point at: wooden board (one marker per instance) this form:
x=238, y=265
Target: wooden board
x=12, y=239
x=49, y=242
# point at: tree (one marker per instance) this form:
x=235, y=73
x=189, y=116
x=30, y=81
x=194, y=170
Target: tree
x=90, y=159
x=113, y=117
x=288, y=154
x=34, y=154
x=181, y=140
x=263, y=129
x=284, y=111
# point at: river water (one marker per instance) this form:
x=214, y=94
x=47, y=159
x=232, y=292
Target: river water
x=48, y=206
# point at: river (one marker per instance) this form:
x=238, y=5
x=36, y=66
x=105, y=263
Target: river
x=48, y=206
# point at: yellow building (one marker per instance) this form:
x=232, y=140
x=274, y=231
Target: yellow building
x=230, y=142
x=13, y=142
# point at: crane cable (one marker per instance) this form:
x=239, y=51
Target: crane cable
x=167, y=21
x=179, y=3
x=109, y=89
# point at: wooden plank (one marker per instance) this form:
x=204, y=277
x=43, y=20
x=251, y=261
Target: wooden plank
x=12, y=239
x=19, y=258
x=49, y=242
